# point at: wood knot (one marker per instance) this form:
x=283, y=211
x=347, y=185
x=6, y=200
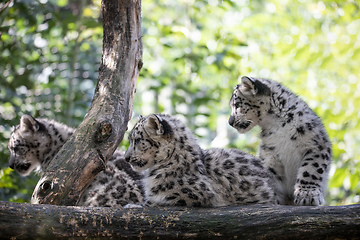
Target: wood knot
x=47, y=187
x=104, y=132
x=140, y=65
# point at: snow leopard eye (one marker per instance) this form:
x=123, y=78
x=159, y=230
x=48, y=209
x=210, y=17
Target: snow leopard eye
x=19, y=149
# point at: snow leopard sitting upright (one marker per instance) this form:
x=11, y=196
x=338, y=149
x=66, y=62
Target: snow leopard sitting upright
x=177, y=172
x=294, y=144
x=34, y=143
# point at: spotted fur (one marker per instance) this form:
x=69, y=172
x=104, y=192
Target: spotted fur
x=177, y=172
x=34, y=143
x=294, y=144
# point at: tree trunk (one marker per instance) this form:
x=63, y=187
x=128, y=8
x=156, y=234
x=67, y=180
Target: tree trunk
x=85, y=154
x=25, y=221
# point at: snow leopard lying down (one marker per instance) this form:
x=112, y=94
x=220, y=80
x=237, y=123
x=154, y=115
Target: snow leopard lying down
x=177, y=172
x=34, y=143
x=294, y=144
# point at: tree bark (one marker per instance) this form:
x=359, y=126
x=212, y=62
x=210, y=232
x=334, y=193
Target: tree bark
x=20, y=221
x=85, y=154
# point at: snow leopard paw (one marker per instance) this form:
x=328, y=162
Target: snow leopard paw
x=308, y=197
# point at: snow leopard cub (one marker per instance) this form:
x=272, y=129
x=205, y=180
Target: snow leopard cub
x=294, y=144
x=177, y=172
x=34, y=143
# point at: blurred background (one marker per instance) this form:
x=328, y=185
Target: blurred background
x=194, y=53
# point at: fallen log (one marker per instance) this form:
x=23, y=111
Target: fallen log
x=25, y=221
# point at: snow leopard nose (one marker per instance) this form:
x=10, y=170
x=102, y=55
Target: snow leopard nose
x=231, y=120
x=12, y=163
x=127, y=156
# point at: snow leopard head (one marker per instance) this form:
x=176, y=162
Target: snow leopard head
x=151, y=141
x=247, y=103
x=25, y=144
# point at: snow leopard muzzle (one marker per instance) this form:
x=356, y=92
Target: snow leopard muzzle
x=231, y=120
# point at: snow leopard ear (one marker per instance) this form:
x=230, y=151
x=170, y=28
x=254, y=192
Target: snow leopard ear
x=252, y=87
x=158, y=125
x=28, y=123
x=247, y=86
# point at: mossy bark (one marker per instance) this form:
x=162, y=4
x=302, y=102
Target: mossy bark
x=25, y=221
x=93, y=143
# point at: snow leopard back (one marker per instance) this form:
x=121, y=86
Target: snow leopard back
x=177, y=172
x=294, y=144
x=34, y=143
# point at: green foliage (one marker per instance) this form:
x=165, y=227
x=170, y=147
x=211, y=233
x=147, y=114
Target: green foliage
x=194, y=52
x=49, y=56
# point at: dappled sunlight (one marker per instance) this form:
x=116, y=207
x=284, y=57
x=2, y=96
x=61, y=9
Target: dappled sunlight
x=194, y=53
x=313, y=48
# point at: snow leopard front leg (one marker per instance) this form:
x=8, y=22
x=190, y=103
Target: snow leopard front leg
x=312, y=177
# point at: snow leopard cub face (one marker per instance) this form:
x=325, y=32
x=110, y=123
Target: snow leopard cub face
x=150, y=142
x=26, y=143
x=248, y=104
